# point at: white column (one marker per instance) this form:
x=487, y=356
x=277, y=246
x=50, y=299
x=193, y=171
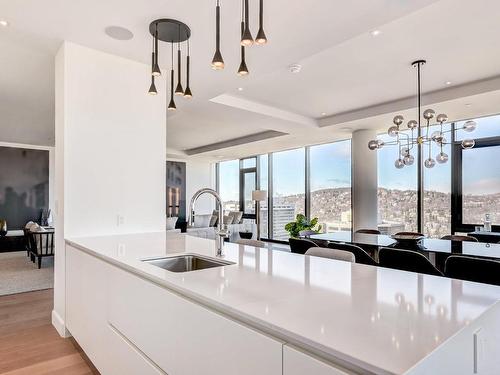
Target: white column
x=364, y=181
x=110, y=152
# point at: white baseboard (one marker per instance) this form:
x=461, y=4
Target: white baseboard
x=59, y=325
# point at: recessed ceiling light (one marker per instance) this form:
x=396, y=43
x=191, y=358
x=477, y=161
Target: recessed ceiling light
x=118, y=33
x=4, y=23
x=323, y=113
x=240, y=88
x=375, y=32
x=447, y=83
x=295, y=68
x=468, y=104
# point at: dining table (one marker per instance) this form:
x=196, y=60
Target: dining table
x=437, y=249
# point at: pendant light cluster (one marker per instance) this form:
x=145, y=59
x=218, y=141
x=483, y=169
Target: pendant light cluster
x=246, y=36
x=175, y=33
x=420, y=137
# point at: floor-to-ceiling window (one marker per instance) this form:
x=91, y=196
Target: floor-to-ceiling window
x=478, y=175
x=397, y=191
x=330, y=185
x=288, y=189
x=229, y=184
x=283, y=175
x=481, y=185
x=263, y=169
x=437, y=188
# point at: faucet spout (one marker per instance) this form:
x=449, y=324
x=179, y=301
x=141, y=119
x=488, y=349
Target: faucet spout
x=221, y=232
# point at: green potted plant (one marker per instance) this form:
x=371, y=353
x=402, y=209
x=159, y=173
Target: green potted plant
x=302, y=223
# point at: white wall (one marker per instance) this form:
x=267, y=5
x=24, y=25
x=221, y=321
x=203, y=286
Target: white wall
x=110, y=151
x=364, y=181
x=199, y=174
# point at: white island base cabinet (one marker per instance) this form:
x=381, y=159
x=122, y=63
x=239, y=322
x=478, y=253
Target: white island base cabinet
x=185, y=338
x=127, y=325
x=295, y=362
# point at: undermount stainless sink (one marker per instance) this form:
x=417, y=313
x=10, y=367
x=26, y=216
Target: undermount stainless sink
x=186, y=263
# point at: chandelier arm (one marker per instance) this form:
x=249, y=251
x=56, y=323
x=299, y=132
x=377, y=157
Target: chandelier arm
x=391, y=143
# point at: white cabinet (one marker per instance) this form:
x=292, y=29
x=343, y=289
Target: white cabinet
x=185, y=338
x=129, y=326
x=86, y=295
x=129, y=360
x=295, y=362
x=86, y=318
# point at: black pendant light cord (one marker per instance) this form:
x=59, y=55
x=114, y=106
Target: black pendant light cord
x=243, y=20
x=217, y=26
x=261, y=14
x=179, y=62
x=187, y=64
x=172, y=74
x=153, y=60
x=246, y=13
x=156, y=45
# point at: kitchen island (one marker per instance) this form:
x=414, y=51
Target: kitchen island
x=270, y=312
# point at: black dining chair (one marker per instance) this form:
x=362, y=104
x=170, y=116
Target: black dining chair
x=361, y=255
x=368, y=231
x=41, y=245
x=473, y=269
x=300, y=246
x=455, y=237
x=409, y=234
x=406, y=260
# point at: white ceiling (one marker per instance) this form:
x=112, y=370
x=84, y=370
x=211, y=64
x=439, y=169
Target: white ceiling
x=345, y=69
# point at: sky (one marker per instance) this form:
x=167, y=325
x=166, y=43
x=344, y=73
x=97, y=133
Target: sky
x=331, y=167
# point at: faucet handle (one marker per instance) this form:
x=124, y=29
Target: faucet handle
x=224, y=232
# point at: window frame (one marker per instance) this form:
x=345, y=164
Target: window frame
x=457, y=224
x=243, y=171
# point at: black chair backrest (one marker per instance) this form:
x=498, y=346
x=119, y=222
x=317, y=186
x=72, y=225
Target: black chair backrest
x=300, y=246
x=454, y=237
x=406, y=260
x=368, y=231
x=409, y=233
x=42, y=243
x=361, y=256
x=473, y=269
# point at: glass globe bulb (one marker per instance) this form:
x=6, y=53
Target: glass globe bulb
x=373, y=144
x=429, y=114
x=468, y=143
x=393, y=131
x=437, y=136
x=398, y=120
x=442, y=118
x=429, y=163
x=442, y=157
x=408, y=159
x=399, y=163
x=469, y=126
x=381, y=143
x=412, y=124
x=405, y=151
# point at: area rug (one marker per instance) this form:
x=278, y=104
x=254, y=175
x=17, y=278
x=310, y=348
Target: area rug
x=18, y=274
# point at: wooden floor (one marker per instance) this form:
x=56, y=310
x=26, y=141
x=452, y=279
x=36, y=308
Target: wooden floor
x=29, y=344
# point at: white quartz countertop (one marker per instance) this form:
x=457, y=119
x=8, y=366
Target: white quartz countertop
x=378, y=320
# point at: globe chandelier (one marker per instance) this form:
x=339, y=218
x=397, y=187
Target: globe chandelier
x=420, y=134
